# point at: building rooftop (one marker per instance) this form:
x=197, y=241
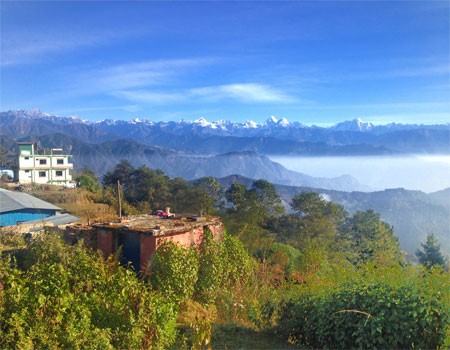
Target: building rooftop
x=56, y=220
x=10, y=201
x=155, y=225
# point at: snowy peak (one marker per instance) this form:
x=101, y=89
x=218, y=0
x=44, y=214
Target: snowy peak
x=353, y=125
x=271, y=121
x=249, y=124
x=274, y=122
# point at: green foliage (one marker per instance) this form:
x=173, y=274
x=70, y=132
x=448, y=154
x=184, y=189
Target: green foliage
x=393, y=308
x=237, y=264
x=174, y=271
x=430, y=255
x=284, y=257
x=211, y=269
x=148, y=185
x=148, y=190
x=89, y=182
x=122, y=173
x=371, y=240
x=67, y=297
x=251, y=211
x=212, y=193
x=254, y=205
x=319, y=218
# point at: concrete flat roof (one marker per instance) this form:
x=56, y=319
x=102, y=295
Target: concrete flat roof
x=155, y=225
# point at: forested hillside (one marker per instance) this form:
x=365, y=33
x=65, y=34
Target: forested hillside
x=316, y=276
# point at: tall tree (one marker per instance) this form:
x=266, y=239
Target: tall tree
x=266, y=199
x=122, y=172
x=319, y=217
x=431, y=255
x=250, y=210
x=371, y=240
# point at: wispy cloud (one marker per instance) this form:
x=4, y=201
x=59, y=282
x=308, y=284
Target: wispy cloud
x=143, y=96
x=163, y=81
x=246, y=92
x=29, y=47
x=143, y=74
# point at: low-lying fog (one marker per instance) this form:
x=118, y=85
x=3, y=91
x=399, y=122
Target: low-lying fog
x=428, y=173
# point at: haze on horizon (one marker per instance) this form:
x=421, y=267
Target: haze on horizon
x=314, y=62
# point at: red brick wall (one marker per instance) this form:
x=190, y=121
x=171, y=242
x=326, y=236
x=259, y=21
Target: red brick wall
x=147, y=247
x=105, y=242
x=149, y=244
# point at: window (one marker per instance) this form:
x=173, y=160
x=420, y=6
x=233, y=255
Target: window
x=60, y=161
x=26, y=158
x=59, y=173
x=27, y=171
x=42, y=161
x=42, y=174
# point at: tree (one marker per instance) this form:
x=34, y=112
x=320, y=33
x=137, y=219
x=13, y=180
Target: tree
x=211, y=193
x=88, y=180
x=148, y=185
x=122, y=172
x=371, y=240
x=266, y=198
x=256, y=205
x=250, y=211
x=430, y=255
x=318, y=218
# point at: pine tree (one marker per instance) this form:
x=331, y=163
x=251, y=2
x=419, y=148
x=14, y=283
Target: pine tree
x=430, y=255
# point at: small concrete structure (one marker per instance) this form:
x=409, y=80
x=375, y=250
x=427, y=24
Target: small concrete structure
x=140, y=236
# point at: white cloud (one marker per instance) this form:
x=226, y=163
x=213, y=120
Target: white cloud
x=25, y=47
x=142, y=74
x=247, y=92
x=149, y=96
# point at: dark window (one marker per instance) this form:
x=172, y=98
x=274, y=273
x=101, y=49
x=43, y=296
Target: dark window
x=60, y=161
x=59, y=173
x=27, y=171
x=42, y=174
x=42, y=161
x=26, y=158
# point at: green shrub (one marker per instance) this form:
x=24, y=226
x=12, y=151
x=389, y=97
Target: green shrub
x=367, y=313
x=174, y=271
x=67, y=297
x=211, y=269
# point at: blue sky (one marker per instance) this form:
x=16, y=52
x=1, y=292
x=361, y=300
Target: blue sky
x=316, y=62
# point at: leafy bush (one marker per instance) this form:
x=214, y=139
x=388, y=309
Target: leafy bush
x=237, y=267
x=211, y=269
x=89, y=182
x=67, y=297
x=407, y=312
x=174, y=271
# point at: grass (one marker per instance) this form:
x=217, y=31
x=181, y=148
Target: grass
x=78, y=202
x=235, y=337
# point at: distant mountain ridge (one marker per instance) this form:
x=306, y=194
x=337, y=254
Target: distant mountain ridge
x=102, y=157
x=275, y=136
x=413, y=214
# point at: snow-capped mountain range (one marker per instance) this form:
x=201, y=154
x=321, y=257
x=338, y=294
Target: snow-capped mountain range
x=274, y=136
x=356, y=124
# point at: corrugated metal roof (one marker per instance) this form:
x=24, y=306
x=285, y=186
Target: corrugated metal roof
x=58, y=219
x=10, y=201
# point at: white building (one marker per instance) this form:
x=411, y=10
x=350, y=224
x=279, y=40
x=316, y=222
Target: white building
x=53, y=168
